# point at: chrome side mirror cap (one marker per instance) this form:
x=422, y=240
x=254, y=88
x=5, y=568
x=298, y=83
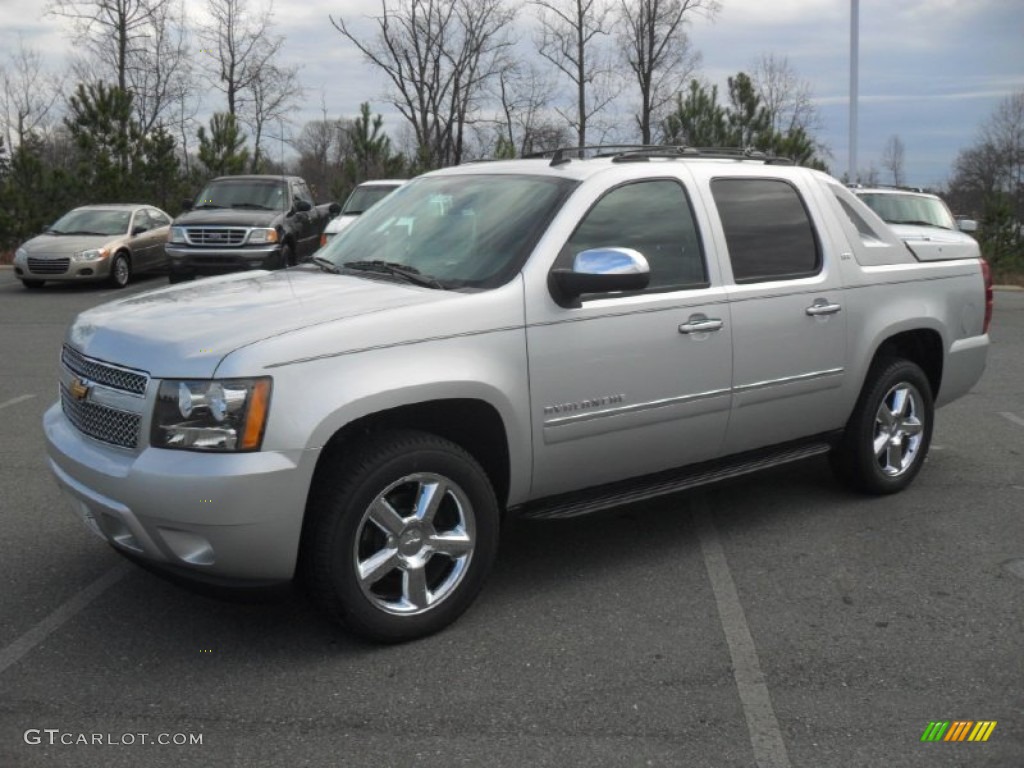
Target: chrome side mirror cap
x=600, y=270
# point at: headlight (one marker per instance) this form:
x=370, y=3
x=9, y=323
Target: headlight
x=262, y=236
x=91, y=255
x=177, y=235
x=21, y=254
x=221, y=415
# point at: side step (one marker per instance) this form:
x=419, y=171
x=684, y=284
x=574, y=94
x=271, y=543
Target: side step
x=651, y=486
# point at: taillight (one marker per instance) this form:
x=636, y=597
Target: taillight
x=986, y=273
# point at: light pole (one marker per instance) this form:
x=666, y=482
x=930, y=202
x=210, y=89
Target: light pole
x=854, y=63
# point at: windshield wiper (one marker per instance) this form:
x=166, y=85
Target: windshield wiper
x=52, y=231
x=403, y=271
x=917, y=222
x=85, y=232
x=207, y=205
x=326, y=265
x=257, y=206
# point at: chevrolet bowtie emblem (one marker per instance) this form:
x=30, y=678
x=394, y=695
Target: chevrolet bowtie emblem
x=79, y=389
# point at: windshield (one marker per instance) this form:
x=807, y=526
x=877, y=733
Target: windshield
x=363, y=197
x=473, y=230
x=895, y=208
x=269, y=194
x=92, y=221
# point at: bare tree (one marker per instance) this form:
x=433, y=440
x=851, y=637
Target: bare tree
x=274, y=93
x=571, y=37
x=111, y=31
x=892, y=159
x=525, y=122
x=160, y=70
x=1004, y=131
x=27, y=95
x=439, y=56
x=237, y=46
x=786, y=95
x=657, y=50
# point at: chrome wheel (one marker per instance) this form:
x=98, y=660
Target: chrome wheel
x=899, y=429
x=414, y=544
x=120, y=271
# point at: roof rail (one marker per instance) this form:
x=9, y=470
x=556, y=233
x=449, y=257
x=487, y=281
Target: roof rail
x=622, y=153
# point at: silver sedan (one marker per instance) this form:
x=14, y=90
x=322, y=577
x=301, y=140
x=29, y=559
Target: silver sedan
x=96, y=242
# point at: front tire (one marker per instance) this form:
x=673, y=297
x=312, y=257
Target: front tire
x=120, y=270
x=887, y=438
x=401, y=540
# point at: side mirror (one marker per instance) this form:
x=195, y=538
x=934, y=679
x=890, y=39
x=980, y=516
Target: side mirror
x=967, y=225
x=334, y=209
x=302, y=206
x=186, y=204
x=600, y=270
x=138, y=230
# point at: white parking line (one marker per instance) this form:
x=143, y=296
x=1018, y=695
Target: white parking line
x=16, y=650
x=765, y=736
x=1006, y=415
x=16, y=400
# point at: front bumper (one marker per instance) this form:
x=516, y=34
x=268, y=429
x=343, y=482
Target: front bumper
x=218, y=260
x=81, y=271
x=228, y=518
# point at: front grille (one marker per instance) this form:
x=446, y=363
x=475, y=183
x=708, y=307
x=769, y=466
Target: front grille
x=102, y=373
x=216, y=236
x=48, y=266
x=98, y=421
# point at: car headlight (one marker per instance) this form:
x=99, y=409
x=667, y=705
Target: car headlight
x=177, y=235
x=262, y=236
x=91, y=255
x=221, y=415
x=21, y=254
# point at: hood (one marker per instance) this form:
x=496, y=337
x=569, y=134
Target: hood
x=936, y=243
x=228, y=217
x=56, y=246
x=186, y=330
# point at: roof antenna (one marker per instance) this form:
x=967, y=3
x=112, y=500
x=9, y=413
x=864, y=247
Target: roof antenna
x=558, y=158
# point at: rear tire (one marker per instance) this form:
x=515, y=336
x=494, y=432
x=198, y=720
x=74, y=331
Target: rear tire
x=401, y=536
x=33, y=284
x=887, y=438
x=120, y=270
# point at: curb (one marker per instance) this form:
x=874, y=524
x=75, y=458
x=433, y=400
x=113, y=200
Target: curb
x=1007, y=288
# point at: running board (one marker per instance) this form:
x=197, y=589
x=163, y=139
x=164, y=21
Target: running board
x=651, y=486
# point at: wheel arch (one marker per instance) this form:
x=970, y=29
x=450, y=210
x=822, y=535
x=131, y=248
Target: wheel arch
x=922, y=346
x=471, y=423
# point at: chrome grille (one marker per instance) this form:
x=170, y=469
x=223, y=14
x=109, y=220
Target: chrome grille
x=102, y=373
x=98, y=421
x=216, y=235
x=48, y=266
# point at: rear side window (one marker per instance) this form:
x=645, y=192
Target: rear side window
x=652, y=217
x=767, y=229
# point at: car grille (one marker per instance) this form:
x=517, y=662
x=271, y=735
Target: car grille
x=48, y=266
x=217, y=236
x=101, y=422
x=112, y=376
x=98, y=421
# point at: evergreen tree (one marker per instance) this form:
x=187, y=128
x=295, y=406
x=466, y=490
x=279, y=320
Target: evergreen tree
x=161, y=169
x=223, y=152
x=698, y=119
x=108, y=141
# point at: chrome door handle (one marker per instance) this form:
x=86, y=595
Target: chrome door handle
x=822, y=307
x=701, y=324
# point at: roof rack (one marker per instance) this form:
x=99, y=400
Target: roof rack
x=625, y=153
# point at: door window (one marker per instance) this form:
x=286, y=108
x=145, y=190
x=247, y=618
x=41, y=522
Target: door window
x=652, y=217
x=767, y=229
x=141, y=222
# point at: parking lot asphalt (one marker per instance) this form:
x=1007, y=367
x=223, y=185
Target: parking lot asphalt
x=773, y=621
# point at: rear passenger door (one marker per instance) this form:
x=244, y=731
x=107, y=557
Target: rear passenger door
x=625, y=384
x=786, y=300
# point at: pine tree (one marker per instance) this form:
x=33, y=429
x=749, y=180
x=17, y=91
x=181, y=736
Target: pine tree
x=223, y=152
x=108, y=140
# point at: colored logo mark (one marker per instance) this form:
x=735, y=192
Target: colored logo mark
x=958, y=730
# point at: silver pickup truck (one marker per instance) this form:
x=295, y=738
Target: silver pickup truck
x=543, y=337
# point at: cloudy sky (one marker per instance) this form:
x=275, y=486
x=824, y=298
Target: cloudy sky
x=931, y=70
